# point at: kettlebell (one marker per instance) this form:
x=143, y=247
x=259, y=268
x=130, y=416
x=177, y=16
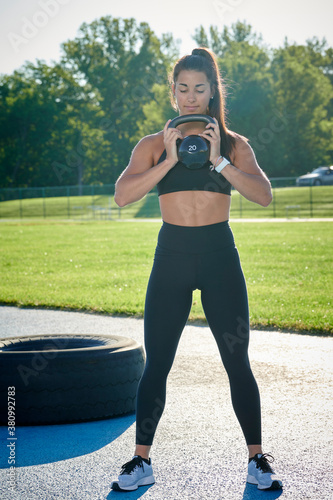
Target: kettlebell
x=193, y=151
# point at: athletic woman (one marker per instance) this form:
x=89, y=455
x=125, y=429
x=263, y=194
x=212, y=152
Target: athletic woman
x=195, y=250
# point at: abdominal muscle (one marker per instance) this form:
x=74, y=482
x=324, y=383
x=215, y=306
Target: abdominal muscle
x=194, y=208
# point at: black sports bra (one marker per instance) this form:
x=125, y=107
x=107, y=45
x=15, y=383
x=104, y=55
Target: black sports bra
x=181, y=178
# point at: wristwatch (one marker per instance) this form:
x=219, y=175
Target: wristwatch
x=221, y=165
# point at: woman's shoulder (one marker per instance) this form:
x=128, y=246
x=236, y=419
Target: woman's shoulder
x=240, y=144
x=152, y=139
x=237, y=139
x=152, y=145
x=242, y=151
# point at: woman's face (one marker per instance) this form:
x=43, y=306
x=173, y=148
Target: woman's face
x=192, y=92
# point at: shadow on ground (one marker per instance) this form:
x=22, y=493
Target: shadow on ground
x=251, y=492
x=131, y=495
x=150, y=207
x=46, y=444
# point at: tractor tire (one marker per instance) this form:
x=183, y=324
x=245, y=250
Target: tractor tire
x=56, y=379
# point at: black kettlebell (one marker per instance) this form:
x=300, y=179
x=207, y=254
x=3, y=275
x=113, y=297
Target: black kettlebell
x=193, y=151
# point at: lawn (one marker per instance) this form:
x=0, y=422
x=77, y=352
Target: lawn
x=104, y=267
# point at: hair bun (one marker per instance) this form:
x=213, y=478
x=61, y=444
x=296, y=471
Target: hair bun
x=202, y=52
x=196, y=52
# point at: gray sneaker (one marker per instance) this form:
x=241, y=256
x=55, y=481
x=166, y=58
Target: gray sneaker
x=261, y=473
x=134, y=474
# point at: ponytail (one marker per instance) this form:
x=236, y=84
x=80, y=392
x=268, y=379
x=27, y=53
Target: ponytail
x=203, y=60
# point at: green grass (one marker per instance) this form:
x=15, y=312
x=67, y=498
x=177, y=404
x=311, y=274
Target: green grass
x=103, y=206
x=105, y=266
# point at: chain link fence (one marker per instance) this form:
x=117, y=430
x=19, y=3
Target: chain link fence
x=96, y=202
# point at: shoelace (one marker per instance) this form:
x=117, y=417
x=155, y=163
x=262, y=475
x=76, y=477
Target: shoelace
x=129, y=467
x=263, y=462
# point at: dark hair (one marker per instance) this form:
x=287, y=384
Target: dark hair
x=203, y=60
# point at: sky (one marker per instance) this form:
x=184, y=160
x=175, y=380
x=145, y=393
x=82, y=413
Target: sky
x=35, y=29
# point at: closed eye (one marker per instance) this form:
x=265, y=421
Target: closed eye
x=199, y=91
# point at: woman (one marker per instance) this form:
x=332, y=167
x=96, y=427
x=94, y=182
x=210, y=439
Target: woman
x=195, y=250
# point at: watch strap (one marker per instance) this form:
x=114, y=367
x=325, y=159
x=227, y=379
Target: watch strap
x=221, y=165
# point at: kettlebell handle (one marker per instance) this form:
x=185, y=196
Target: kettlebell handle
x=179, y=120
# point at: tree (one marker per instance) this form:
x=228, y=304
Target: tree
x=303, y=90
x=121, y=61
x=76, y=122
x=156, y=112
x=41, y=118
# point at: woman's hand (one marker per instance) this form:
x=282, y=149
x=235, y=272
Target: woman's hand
x=212, y=134
x=170, y=136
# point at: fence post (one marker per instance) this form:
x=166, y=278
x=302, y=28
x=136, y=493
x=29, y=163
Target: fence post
x=44, y=208
x=68, y=204
x=311, y=210
x=21, y=208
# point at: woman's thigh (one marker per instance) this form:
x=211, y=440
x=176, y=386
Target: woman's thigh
x=168, y=304
x=225, y=303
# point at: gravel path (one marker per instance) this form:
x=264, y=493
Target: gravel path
x=199, y=452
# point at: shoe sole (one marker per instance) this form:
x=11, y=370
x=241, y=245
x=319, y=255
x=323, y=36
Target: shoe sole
x=145, y=481
x=276, y=485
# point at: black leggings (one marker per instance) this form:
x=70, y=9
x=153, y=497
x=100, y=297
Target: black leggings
x=188, y=258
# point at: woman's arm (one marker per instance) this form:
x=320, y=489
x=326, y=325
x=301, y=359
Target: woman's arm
x=139, y=177
x=246, y=176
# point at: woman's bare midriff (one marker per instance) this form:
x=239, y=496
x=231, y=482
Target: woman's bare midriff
x=194, y=208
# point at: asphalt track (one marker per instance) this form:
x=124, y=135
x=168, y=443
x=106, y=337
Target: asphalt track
x=199, y=452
